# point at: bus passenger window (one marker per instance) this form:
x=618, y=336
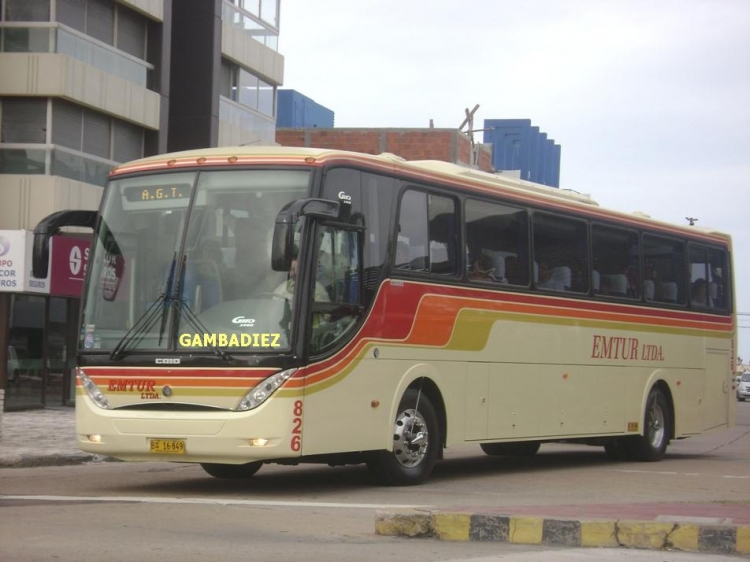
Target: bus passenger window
x=497, y=238
x=664, y=260
x=616, y=258
x=429, y=223
x=561, y=249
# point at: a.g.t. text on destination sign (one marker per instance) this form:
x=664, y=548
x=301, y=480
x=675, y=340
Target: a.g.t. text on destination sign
x=157, y=193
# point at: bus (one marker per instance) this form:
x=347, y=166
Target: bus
x=253, y=305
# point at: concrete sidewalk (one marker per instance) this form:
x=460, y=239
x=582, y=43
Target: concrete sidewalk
x=47, y=438
x=40, y=438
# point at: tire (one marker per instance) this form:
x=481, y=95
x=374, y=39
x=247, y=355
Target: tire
x=652, y=445
x=416, y=442
x=232, y=471
x=520, y=449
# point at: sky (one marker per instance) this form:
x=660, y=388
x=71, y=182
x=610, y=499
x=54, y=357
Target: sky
x=649, y=100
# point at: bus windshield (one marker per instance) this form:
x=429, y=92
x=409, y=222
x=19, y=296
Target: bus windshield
x=182, y=261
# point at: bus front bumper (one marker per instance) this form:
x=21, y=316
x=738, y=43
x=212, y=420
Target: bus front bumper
x=217, y=437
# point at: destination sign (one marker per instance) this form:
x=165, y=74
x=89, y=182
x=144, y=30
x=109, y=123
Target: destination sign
x=157, y=193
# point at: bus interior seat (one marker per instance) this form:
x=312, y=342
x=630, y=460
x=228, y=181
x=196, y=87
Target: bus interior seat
x=561, y=277
x=402, y=255
x=649, y=289
x=618, y=284
x=669, y=291
x=595, y=280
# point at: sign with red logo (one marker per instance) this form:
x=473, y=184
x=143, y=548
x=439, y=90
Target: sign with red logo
x=70, y=258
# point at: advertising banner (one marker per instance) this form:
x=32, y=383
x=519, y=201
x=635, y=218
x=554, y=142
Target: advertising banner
x=15, y=263
x=69, y=260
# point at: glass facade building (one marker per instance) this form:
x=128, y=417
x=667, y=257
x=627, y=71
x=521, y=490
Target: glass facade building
x=89, y=84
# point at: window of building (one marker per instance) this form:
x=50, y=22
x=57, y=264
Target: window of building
x=663, y=269
x=616, y=262
x=497, y=243
x=89, y=131
x=27, y=10
x=131, y=32
x=99, y=18
x=24, y=120
x=241, y=86
x=128, y=141
x=560, y=253
x=427, y=234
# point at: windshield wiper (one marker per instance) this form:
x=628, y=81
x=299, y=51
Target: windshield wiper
x=148, y=319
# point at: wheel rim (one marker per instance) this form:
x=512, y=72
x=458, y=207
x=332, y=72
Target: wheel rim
x=410, y=438
x=655, y=425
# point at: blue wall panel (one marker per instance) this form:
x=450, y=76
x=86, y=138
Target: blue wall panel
x=296, y=111
x=516, y=145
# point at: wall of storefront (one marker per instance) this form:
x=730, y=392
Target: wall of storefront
x=39, y=338
x=39, y=321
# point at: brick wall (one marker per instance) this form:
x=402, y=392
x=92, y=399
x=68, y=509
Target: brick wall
x=447, y=145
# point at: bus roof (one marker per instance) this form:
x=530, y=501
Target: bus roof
x=434, y=170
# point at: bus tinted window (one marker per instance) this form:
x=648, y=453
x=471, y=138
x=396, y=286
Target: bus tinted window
x=497, y=243
x=708, y=287
x=616, y=257
x=426, y=233
x=664, y=269
x=560, y=253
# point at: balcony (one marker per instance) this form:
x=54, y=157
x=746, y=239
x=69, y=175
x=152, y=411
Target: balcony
x=58, y=38
x=250, y=24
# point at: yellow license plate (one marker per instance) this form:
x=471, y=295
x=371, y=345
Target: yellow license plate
x=167, y=446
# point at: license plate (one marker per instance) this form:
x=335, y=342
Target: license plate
x=167, y=446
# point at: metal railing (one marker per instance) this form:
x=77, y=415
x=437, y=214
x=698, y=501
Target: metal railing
x=54, y=37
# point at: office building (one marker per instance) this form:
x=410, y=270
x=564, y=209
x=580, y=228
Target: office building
x=88, y=84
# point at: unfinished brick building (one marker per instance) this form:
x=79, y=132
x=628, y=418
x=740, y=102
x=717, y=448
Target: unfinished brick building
x=447, y=145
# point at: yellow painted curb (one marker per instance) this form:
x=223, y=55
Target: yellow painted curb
x=743, y=540
x=598, y=533
x=403, y=523
x=684, y=537
x=451, y=526
x=525, y=530
x=639, y=534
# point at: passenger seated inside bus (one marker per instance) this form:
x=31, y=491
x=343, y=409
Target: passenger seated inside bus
x=481, y=269
x=286, y=288
x=698, y=292
x=553, y=278
x=205, y=276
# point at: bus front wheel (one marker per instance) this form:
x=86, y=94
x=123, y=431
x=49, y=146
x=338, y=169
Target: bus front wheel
x=234, y=471
x=416, y=441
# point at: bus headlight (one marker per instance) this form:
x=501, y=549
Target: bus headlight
x=262, y=391
x=93, y=391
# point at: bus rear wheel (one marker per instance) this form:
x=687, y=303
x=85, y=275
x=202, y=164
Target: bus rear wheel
x=233, y=471
x=416, y=440
x=652, y=445
x=520, y=449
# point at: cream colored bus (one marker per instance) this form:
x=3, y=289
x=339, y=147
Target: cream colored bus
x=280, y=305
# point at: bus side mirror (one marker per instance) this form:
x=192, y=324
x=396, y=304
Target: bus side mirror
x=282, y=247
x=47, y=228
